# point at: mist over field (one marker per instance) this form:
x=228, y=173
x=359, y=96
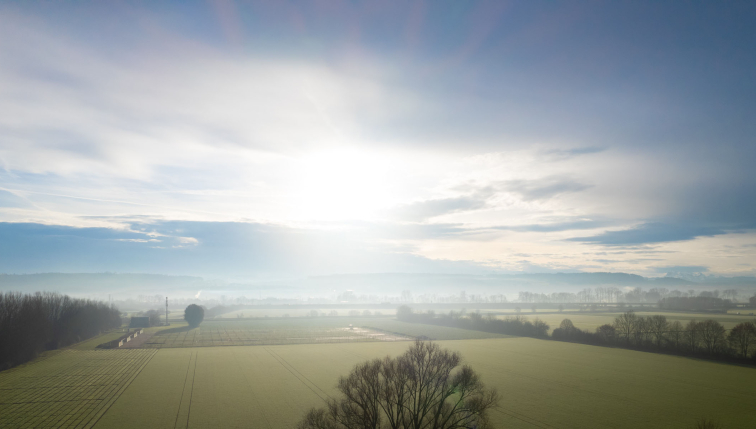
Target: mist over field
x=371, y=288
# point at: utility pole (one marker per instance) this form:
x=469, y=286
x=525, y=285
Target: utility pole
x=166, y=311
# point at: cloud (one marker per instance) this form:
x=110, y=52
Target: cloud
x=543, y=189
x=155, y=117
x=558, y=226
x=653, y=232
x=68, y=108
x=564, y=154
x=422, y=210
x=9, y=199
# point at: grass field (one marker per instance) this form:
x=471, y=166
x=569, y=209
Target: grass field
x=544, y=384
x=299, y=312
x=70, y=388
x=430, y=331
x=219, y=334
x=302, y=331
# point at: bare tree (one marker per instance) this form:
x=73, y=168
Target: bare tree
x=730, y=294
x=417, y=390
x=676, y=332
x=567, y=325
x=692, y=334
x=606, y=332
x=712, y=335
x=626, y=324
x=644, y=330
x=658, y=325
x=742, y=337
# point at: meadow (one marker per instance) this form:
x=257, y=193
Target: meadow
x=267, y=332
x=543, y=384
x=69, y=388
x=301, y=312
x=245, y=332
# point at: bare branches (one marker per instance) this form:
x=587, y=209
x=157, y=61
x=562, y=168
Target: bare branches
x=743, y=337
x=417, y=390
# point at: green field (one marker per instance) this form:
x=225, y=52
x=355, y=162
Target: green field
x=543, y=384
x=265, y=332
x=300, y=312
x=70, y=388
x=248, y=332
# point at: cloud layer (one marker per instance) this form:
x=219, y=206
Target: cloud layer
x=505, y=138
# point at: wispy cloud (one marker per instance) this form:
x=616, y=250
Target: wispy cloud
x=543, y=189
x=653, y=232
x=571, y=225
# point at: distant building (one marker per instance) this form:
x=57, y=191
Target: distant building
x=139, y=322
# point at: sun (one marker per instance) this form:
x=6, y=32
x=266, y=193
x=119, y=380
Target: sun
x=342, y=184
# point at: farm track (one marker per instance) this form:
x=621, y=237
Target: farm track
x=71, y=389
x=185, y=405
x=292, y=369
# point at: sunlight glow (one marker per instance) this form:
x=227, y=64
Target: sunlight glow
x=341, y=184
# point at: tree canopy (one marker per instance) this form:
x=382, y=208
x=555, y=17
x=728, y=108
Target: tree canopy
x=423, y=388
x=194, y=315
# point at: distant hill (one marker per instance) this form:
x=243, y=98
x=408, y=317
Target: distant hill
x=130, y=285
x=98, y=283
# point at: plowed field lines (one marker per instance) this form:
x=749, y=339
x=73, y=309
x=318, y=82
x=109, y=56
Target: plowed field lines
x=71, y=389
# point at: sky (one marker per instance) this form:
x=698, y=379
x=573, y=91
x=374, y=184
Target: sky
x=274, y=139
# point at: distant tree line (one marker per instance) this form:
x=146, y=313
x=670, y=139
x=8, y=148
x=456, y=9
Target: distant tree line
x=616, y=295
x=694, y=303
x=221, y=309
x=707, y=338
x=31, y=324
x=516, y=325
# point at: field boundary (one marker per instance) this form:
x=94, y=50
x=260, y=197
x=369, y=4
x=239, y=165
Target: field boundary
x=185, y=402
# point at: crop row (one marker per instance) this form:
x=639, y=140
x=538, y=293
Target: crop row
x=68, y=390
x=204, y=337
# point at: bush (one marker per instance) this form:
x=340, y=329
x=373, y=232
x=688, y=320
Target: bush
x=194, y=315
x=154, y=315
